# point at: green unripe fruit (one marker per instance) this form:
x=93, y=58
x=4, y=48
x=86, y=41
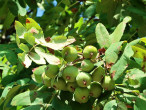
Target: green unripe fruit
x=90, y=52
x=87, y=65
x=98, y=74
x=108, y=83
x=95, y=89
x=81, y=95
x=69, y=73
x=71, y=86
x=69, y=54
x=46, y=80
x=37, y=74
x=51, y=71
x=59, y=84
x=83, y=79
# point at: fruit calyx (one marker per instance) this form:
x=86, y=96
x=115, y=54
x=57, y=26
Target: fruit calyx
x=68, y=77
x=84, y=82
x=84, y=97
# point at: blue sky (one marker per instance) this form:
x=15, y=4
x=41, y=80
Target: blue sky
x=40, y=12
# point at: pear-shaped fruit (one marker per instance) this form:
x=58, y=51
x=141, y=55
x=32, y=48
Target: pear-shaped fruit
x=81, y=95
x=71, y=86
x=90, y=52
x=37, y=74
x=83, y=79
x=95, y=89
x=108, y=83
x=98, y=74
x=59, y=84
x=87, y=65
x=69, y=54
x=51, y=71
x=46, y=80
x=69, y=74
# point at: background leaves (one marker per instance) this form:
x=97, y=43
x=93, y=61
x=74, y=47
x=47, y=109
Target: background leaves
x=30, y=41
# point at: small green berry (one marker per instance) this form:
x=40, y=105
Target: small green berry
x=71, y=86
x=46, y=80
x=69, y=54
x=87, y=65
x=69, y=74
x=95, y=89
x=51, y=71
x=90, y=52
x=81, y=95
x=83, y=79
x=108, y=83
x=59, y=84
x=98, y=74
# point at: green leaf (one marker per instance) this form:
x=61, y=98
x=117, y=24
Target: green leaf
x=140, y=101
x=119, y=67
x=26, y=61
x=121, y=105
x=37, y=58
x=59, y=46
x=136, y=10
x=31, y=3
x=17, y=40
x=6, y=90
x=13, y=91
x=24, y=47
x=23, y=82
x=79, y=24
x=66, y=2
x=9, y=91
x=30, y=98
x=5, y=72
x=20, y=29
x=51, y=59
x=3, y=7
x=139, y=51
x=102, y=36
x=135, y=77
x=9, y=20
x=11, y=56
x=10, y=46
x=31, y=23
x=118, y=33
x=90, y=11
x=34, y=107
x=58, y=104
x=24, y=98
x=140, y=104
x=29, y=38
x=21, y=7
x=58, y=39
x=111, y=54
x=17, y=7
x=39, y=38
x=111, y=105
x=143, y=40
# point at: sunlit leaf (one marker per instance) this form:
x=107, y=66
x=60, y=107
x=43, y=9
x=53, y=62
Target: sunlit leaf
x=37, y=58
x=102, y=36
x=52, y=59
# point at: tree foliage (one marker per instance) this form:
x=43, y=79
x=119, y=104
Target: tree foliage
x=31, y=43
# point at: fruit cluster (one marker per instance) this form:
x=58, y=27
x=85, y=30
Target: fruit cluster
x=84, y=80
